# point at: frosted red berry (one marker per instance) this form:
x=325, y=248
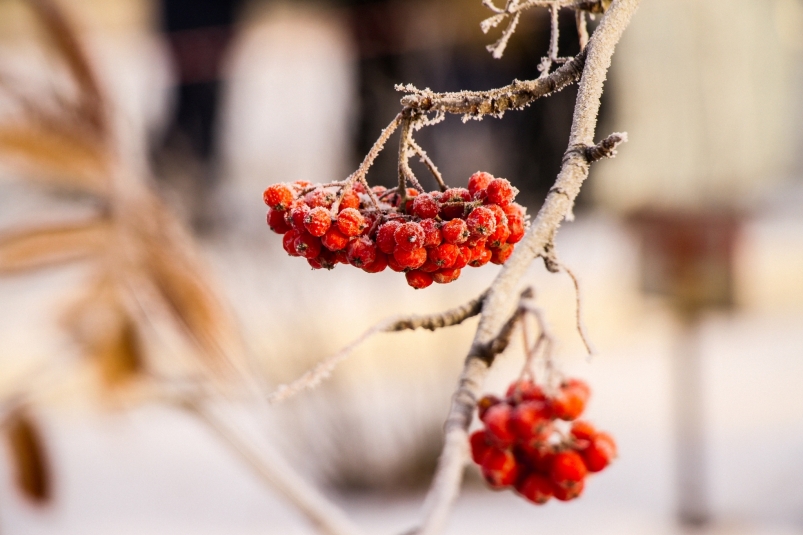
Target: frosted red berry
x=500, y=192
x=432, y=232
x=480, y=256
x=446, y=275
x=455, y=231
x=499, y=467
x=334, y=240
x=499, y=425
x=536, y=488
x=307, y=245
x=298, y=215
x=409, y=236
x=385, y=240
x=289, y=242
x=444, y=255
x=463, y=256
x=276, y=221
x=517, y=229
x=425, y=206
x=319, y=197
x=479, y=181
x=349, y=200
x=418, y=279
x=481, y=221
x=361, y=252
x=278, y=196
x=412, y=259
x=351, y=222
x=317, y=221
x=379, y=264
x=500, y=254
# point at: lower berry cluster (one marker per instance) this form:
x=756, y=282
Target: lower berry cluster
x=523, y=447
x=429, y=237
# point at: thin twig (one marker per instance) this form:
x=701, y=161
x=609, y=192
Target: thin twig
x=323, y=369
x=269, y=466
x=405, y=173
x=606, y=148
x=429, y=164
x=582, y=28
x=501, y=296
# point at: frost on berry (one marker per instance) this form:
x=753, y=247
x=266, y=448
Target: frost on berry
x=455, y=231
x=500, y=192
x=361, y=252
x=463, y=256
x=409, y=236
x=349, y=200
x=319, y=197
x=298, y=215
x=276, y=221
x=317, y=221
x=418, y=279
x=412, y=259
x=289, y=242
x=480, y=256
x=307, y=245
x=351, y=222
x=500, y=254
x=479, y=181
x=385, y=240
x=432, y=232
x=425, y=206
x=278, y=196
x=481, y=221
x=334, y=240
x=444, y=255
x=516, y=226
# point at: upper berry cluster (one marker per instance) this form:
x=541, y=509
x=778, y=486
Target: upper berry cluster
x=522, y=446
x=430, y=237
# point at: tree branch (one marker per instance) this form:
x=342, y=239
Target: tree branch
x=500, y=300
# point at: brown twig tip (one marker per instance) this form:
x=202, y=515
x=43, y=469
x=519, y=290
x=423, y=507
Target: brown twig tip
x=605, y=148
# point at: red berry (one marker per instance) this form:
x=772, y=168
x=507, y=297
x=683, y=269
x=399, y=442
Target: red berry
x=582, y=430
x=479, y=181
x=317, y=221
x=499, y=467
x=349, y=200
x=600, y=452
x=570, y=401
x=500, y=192
x=525, y=390
x=319, y=197
x=497, y=421
x=479, y=446
x=446, y=275
x=351, y=222
x=379, y=190
x=432, y=233
x=361, y=252
x=334, y=240
x=384, y=236
x=463, y=256
x=298, y=215
x=409, y=236
x=455, y=195
x=536, y=488
x=517, y=229
x=425, y=206
x=394, y=264
x=418, y=279
x=514, y=210
x=568, y=469
x=413, y=259
x=444, y=255
x=485, y=403
x=325, y=260
x=289, y=242
x=500, y=255
x=531, y=421
x=455, y=231
x=379, y=264
x=278, y=196
x=481, y=221
x=565, y=494
x=475, y=240
x=480, y=256
x=429, y=266
x=307, y=245
x=276, y=221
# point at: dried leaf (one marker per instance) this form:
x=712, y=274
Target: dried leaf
x=29, y=458
x=35, y=248
x=56, y=156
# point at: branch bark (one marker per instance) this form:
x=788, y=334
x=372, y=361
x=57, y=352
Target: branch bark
x=501, y=296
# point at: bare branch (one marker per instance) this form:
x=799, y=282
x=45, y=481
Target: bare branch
x=498, y=48
x=429, y=163
x=269, y=466
x=518, y=95
x=582, y=28
x=431, y=322
x=501, y=296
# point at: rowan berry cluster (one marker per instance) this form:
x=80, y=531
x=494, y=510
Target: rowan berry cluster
x=522, y=445
x=430, y=237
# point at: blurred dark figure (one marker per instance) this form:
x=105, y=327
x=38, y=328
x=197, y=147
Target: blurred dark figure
x=198, y=33
x=525, y=146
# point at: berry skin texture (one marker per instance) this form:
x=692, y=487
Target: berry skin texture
x=278, y=196
x=499, y=467
x=582, y=430
x=319, y=197
x=517, y=229
x=463, y=256
x=479, y=181
x=455, y=195
x=425, y=206
x=566, y=494
x=432, y=232
x=361, y=252
x=600, y=452
x=276, y=221
x=317, y=221
x=455, y=231
x=444, y=255
x=480, y=256
x=298, y=215
x=500, y=255
x=379, y=264
x=497, y=420
x=481, y=221
x=384, y=236
x=479, y=446
x=568, y=469
x=525, y=390
x=409, y=236
x=445, y=276
x=418, y=279
x=413, y=259
x=536, y=488
x=530, y=421
x=349, y=200
x=500, y=192
x=307, y=245
x=351, y=222
x=289, y=242
x=570, y=401
x=334, y=240
x=394, y=265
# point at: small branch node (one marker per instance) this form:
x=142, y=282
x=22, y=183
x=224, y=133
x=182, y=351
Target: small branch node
x=605, y=148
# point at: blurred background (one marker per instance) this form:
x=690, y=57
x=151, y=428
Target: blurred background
x=689, y=247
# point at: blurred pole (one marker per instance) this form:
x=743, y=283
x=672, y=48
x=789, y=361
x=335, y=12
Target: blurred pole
x=688, y=258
